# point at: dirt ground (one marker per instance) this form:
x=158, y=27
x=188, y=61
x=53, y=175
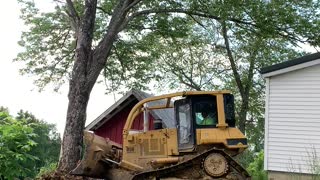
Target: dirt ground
x=63, y=176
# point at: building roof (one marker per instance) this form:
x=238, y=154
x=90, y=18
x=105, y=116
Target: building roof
x=291, y=65
x=166, y=115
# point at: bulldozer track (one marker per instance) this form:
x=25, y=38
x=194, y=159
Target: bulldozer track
x=195, y=161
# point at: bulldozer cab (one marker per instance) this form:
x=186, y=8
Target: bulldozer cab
x=200, y=112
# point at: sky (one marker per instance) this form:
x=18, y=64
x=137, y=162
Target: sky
x=18, y=92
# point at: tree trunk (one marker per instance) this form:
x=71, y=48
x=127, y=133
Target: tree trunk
x=80, y=87
x=87, y=67
x=76, y=118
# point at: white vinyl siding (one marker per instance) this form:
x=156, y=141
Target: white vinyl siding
x=293, y=120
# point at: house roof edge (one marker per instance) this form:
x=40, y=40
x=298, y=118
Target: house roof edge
x=290, y=63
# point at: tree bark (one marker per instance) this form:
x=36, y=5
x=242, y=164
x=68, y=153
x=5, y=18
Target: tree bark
x=76, y=117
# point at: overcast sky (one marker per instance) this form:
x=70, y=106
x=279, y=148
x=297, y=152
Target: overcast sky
x=18, y=92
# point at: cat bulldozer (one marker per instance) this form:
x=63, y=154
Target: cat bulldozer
x=201, y=145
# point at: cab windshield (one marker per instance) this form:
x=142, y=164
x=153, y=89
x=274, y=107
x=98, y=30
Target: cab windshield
x=206, y=113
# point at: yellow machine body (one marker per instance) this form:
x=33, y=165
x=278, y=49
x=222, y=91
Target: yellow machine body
x=149, y=150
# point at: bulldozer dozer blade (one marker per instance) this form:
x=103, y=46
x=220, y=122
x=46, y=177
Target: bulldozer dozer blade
x=95, y=149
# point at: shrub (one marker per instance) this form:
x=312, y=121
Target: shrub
x=256, y=167
x=47, y=169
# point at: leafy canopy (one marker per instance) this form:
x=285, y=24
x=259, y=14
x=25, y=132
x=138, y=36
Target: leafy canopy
x=49, y=42
x=15, y=146
x=26, y=145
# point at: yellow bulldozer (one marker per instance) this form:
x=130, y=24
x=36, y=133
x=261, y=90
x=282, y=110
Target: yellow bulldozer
x=201, y=146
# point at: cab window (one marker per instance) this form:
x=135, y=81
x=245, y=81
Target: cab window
x=206, y=113
x=184, y=122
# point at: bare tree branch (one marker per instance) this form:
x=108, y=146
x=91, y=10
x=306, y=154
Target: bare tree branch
x=197, y=21
x=280, y=31
x=184, y=11
x=195, y=85
x=189, y=84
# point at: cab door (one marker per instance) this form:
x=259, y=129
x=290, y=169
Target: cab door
x=186, y=135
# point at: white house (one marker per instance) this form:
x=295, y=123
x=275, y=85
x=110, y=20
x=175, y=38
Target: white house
x=292, y=118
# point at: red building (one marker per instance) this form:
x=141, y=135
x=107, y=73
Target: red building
x=111, y=122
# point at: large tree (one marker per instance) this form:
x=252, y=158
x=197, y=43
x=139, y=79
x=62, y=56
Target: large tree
x=82, y=39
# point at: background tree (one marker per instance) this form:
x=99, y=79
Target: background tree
x=29, y=142
x=268, y=37
x=48, y=143
x=15, y=146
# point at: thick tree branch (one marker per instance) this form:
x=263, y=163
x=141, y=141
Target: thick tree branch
x=190, y=84
x=88, y=20
x=184, y=11
x=84, y=41
x=104, y=47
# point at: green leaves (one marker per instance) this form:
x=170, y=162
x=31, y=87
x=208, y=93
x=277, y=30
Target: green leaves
x=15, y=145
x=256, y=167
x=26, y=144
x=47, y=139
x=48, y=45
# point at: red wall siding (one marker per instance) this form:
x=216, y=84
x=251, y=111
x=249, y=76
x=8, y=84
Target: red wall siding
x=113, y=128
